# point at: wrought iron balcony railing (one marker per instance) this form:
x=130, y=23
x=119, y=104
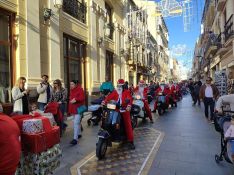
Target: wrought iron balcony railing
x=219, y=41
x=229, y=30
x=76, y=9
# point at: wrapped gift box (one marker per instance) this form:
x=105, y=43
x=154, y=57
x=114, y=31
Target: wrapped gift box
x=32, y=126
x=46, y=123
x=36, y=143
x=43, y=163
x=50, y=117
x=20, y=118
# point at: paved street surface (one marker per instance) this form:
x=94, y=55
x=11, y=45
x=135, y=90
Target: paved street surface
x=120, y=160
x=188, y=147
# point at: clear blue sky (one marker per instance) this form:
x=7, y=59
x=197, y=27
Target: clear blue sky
x=177, y=36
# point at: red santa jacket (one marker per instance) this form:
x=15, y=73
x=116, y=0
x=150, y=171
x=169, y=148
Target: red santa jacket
x=10, y=146
x=172, y=88
x=115, y=96
x=165, y=91
x=136, y=90
x=78, y=94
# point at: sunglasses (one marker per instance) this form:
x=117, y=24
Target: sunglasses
x=208, y=80
x=55, y=83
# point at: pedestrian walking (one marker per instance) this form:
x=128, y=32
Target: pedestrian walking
x=191, y=88
x=197, y=88
x=209, y=93
x=76, y=100
x=44, y=89
x=20, y=97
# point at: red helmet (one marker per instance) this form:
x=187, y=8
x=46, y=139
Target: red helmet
x=120, y=82
x=141, y=82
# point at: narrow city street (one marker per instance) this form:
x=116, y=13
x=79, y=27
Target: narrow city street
x=188, y=147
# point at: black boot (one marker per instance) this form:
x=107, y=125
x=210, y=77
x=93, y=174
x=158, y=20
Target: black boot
x=132, y=146
x=73, y=142
x=154, y=111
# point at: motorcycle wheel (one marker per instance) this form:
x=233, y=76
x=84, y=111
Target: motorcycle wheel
x=134, y=122
x=160, y=111
x=101, y=148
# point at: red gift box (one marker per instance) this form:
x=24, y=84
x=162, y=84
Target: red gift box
x=20, y=119
x=46, y=123
x=36, y=143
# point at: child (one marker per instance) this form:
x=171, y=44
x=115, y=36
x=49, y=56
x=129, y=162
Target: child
x=34, y=109
x=35, y=112
x=230, y=134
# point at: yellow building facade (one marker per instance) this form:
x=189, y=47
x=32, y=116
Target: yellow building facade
x=82, y=40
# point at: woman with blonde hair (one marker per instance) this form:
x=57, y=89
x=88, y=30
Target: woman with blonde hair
x=20, y=97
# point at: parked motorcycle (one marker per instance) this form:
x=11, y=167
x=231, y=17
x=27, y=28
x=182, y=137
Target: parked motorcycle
x=162, y=105
x=112, y=129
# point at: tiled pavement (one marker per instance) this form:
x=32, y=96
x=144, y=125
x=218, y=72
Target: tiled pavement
x=189, y=145
x=188, y=148
x=120, y=160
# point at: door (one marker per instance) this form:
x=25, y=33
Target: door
x=7, y=56
x=73, y=55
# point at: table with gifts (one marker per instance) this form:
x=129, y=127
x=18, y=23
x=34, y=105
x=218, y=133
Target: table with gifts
x=40, y=139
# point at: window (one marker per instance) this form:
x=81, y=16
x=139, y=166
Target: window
x=74, y=51
x=109, y=24
x=6, y=55
x=109, y=65
x=75, y=8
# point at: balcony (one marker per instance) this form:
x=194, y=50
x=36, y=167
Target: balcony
x=220, y=5
x=211, y=48
x=76, y=9
x=109, y=30
x=229, y=30
x=164, y=39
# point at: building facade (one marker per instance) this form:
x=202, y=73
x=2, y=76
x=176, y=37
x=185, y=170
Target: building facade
x=86, y=40
x=215, y=44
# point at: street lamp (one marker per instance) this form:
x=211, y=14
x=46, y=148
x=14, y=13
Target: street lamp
x=47, y=13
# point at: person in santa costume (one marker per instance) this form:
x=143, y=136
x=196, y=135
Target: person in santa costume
x=10, y=146
x=142, y=91
x=173, y=91
x=165, y=90
x=124, y=99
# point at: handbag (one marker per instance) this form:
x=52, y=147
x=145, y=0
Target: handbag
x=81, y=109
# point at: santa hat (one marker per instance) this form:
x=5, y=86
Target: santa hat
x=141, y=82
x=120, y=82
